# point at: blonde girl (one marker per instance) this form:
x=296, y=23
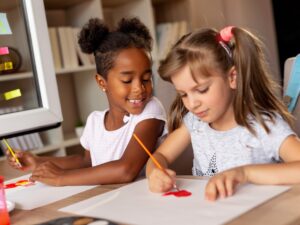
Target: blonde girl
x=227, y=108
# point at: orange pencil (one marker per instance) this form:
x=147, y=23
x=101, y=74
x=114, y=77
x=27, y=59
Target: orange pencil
x=153, y=158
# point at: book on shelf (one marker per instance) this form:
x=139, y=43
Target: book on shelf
x=183, y=28
x=72, y=47
x=25, y=142
x=167, y=35
x=84, y=58
x=22, y=142
x=29, y=143
x=64, y=47
x=14, y=143
x=38, y=143
x=163, y=33
x=92, y=59
x=55, y=47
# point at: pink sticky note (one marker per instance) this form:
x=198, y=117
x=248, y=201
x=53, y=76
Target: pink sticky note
x=4, y=51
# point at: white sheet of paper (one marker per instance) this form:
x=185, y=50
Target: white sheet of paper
x=39, y=194
x=135, y=204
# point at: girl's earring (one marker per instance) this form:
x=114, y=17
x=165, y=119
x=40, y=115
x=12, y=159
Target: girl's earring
x=104, y=90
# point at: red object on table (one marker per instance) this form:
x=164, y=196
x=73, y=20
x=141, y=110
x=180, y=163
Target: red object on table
x=4, y=217
x=181, y=193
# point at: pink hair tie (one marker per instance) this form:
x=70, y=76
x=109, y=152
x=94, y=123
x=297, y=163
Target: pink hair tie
x=226, y=33
x=224, y=37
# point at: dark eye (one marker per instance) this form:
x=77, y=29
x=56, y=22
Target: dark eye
x=146, y=80
x=202, y=91
x=147, y=77
x=126, y=81
x=182, y=95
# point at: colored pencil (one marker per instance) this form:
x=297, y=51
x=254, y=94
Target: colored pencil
x=12, y=152
x=153, y=158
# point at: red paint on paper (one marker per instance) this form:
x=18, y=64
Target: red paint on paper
x=11, y=185
x=24, y=183
x=181, y=193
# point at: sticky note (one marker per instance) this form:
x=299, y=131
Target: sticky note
x=4, y=51
x=6, y=66
x=12, y=94
x=4, y=25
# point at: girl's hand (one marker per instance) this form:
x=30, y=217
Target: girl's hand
x=224, y=184
x=48, y=173
x=27, y=160
x=160, y=182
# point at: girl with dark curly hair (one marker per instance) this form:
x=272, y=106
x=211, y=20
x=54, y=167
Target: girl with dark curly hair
x=124, y=73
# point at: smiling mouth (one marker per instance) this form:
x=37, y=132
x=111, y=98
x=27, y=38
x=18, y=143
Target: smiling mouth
x=135, y=101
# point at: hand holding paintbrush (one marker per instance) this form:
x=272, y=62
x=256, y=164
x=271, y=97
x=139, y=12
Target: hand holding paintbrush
x=154, y=159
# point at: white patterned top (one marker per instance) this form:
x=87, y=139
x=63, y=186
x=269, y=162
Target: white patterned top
x=216, y=151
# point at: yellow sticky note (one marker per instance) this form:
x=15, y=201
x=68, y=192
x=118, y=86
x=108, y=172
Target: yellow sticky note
x=12, y=94
x=8, y=66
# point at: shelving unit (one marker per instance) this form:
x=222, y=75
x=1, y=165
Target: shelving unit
x=17, y=76
x=79, y=93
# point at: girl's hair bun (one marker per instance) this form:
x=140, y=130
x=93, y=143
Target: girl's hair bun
x=136, y=27
x=91, y=35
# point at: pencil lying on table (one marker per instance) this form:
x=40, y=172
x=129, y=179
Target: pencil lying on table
x=153, y=158
x=12, y=152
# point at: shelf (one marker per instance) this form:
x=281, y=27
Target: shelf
x=75, y=70
x=8, y=5
x=45, y=149
x=71, y=140
x=25, y=75
x=115, y=3
x=157, y=2
x=16, y=76
x=58, y=4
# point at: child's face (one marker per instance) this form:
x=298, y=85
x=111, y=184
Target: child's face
x=129, y=82
x=209, y=98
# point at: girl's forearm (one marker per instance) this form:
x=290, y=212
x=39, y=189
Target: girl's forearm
x=281, y=173
x=65, y=162
x=113, y=172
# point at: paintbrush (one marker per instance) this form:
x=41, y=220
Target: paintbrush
x=12, y=152
x=153, y=159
